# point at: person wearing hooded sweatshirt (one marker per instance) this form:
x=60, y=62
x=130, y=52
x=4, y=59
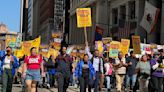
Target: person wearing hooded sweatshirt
x=85, y=73
x=9, y=65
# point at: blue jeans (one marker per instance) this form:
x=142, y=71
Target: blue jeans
x=33, y=75
x=108, y=82
x=96, y=82
x=131, y=78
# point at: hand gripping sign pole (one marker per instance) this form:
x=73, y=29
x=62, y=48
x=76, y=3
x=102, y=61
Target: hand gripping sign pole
x=84, y=20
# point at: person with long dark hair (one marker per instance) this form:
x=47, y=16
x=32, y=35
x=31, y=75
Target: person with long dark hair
x=85, y=73
x=50, y=67
x=31, y=73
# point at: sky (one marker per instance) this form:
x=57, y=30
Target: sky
x=10, y=14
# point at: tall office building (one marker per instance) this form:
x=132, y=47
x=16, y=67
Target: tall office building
x=46, y=20
x=45, y=17
x=30, y=17
x=24, y=19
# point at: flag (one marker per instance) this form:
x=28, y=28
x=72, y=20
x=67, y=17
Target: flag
x=36, y=43
x=98, y=33
x=124, y=29
x=150, y=17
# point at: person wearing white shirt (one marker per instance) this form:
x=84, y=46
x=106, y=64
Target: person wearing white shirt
x=98, y=65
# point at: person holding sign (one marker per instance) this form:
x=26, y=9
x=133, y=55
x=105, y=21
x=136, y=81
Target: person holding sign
x=31, y=73
x=98, y=65
x=120, y=70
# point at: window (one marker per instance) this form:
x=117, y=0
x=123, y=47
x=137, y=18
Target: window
x=115, y=16
x=132, y=9
x=123, y=12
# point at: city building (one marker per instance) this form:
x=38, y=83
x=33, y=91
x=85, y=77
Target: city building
x=5, y=34
x=46, y=20
x=99, y=13
x=24, y=19
x=30, y=18
x=132, y=11
x=110, y=15
x=45, y=17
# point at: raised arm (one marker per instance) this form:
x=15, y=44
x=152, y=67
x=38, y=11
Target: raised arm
x=88, y=52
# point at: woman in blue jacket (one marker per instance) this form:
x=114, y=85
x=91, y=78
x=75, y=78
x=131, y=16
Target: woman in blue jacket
x=8, y=66
x=85, y=73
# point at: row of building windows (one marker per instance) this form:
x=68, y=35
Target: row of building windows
x=74, y=3
x=121, y=12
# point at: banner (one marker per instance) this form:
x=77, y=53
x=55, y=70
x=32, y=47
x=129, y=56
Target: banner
x=26, y=46
x=36, y=43
x=150, y=17
x=57, y=43
x=18, y=53
x=99, y=46
x=83, y=17
x=98, y=33
x=136, y=44
x=10, y=41
x=114, y=49
x=53, y=52
x=125, y=43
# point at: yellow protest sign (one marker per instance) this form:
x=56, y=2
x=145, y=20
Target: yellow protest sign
x=125, y=43
x=136, y=44
x=83, y=17
x=99, y=46
x=36, y=42
x=26, y=46
x=18, y=53
x=52, y=52
x=106, y=41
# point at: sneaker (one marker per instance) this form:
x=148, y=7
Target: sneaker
x=48, y=86
x=109, y=90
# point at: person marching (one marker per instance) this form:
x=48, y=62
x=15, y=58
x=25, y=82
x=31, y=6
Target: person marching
x=98, y=65
x=130, y=73
x=85, y=73
x=31, y=73
x=157, y=75
x=108, y=72
x=9, y=64
x=143, y=68
x=120, y=70
x=50, y=66
x=63, y=64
